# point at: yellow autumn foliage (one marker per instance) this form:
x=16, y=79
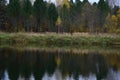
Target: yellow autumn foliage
x=114, y=20
x=66, y=2
x=112, y=23
x=59, y=21
x=58, y=61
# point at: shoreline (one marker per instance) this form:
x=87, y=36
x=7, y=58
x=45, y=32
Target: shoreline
x=74, y=50
x=65, y=39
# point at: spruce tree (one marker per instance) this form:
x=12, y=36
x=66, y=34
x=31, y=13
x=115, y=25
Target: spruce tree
x=65, y=17
x=39, y=10
x=27, y=8
x=85, y=1
x=78, y=6
x=52, y=15
x=13, y=12
x=103, y=11
x=27, y=11
x=2, y=14
x=103, y=6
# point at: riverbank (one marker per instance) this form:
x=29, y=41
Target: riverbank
x=73, y=50
x=65, y=39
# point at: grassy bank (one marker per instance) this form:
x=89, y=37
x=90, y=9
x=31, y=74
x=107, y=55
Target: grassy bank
x=52, y=39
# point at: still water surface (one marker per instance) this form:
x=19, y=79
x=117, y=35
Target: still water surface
x=58, y=65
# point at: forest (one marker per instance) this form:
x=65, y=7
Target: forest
x=62, y=16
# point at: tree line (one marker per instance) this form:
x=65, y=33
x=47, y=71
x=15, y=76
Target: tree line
x=64, y=16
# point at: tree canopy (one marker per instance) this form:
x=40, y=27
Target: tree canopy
x=69, y=15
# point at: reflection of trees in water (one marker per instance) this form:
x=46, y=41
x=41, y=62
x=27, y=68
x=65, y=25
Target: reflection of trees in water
x=113, y=61
x=24, y=63
x=84, y=64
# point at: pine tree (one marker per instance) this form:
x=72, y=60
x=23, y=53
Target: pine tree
x=27, y=11
x=27, y=8
x=65, y=17
x=103, y=6
x=2, y=14
x=52, y=16
x=13, y=11
x=103, y=11
x=39, y=10
x=85, y=1
x=78, y=5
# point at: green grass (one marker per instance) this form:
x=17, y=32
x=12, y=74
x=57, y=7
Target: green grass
x=52, y=39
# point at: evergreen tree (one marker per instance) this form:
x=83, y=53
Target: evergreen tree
x=2, y=14
x=39, y=10
x=85, y=1
x=72, y=9
x=95, y=17
x=65, y=17
x=75, y=14
x=103, y=11
x=103, y=6
x=78, y=5
x=86, y=16
x=27, y=11
x=27, y=8
x=52, y=16
x=14, y=10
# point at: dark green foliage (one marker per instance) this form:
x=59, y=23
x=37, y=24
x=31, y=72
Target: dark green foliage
x=78, y=5
x=13, y=12
x=27, y=8
x=103, y=6
x=52, y=16
x=85, y=1
x=14, y=8
x=52, y=12
x=65, y=17
x=39, y=10
x=26, y=14
x=2, y=14
x=80, y=16
x=103, y=11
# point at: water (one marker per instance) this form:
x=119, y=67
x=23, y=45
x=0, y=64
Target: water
x=58, y=65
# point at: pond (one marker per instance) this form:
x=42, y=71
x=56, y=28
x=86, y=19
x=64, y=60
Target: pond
x=40, y=64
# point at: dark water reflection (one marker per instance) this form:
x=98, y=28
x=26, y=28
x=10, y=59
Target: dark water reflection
x=58, y=65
